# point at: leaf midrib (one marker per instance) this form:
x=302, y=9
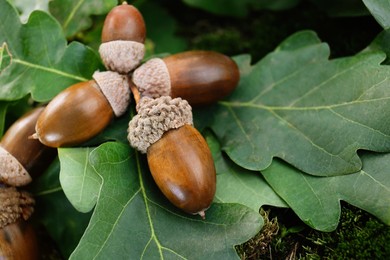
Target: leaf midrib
x=47, y=69
x=72, y=14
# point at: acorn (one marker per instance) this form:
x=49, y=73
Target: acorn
x=19, y=241
x=21, y=157
x=178, y=156
x=200, y=77
x=83, y=110
x=123, y=38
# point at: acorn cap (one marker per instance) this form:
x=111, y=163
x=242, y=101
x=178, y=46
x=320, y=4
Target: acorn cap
x=154, y=118
x=152, y=78
x=14, y=204
x=121, y=56
x=115, y=88
x=12, y=171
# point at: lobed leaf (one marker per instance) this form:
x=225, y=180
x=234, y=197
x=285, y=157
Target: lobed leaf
x=238, y=185
x=74, y=16
x=39, y=61
x=316, y=200
x=27, y=7
x=380, y=10
x=132, y=219
x=60, y=219
x=312, y=112
x=80, y=182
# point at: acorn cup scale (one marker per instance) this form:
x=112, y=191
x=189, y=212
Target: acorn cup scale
x=200, y=77
x=179, y=158
x=20, y=159
x=83, y=110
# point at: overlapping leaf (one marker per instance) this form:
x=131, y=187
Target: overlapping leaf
x=61, y=220
x=39, y=60
x=312, y=112
x=380, y=10
x=74, y=16
x=79, y=180
x=130, y=208
x=26, y=7
x=237, y=185
x=316, y=200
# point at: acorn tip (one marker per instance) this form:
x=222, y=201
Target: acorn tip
x=33, y=136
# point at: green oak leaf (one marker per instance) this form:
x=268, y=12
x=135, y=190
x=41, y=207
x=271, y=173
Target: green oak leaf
x=4, y=57
x=39, y=60
x=79, y=180
x=316, y=200
x=381, y=43
x=238, y=185
x=26, y=7
x=132, y=219
x=380, y=10
x=74, y=16
x=314, y=113
x=61, y=220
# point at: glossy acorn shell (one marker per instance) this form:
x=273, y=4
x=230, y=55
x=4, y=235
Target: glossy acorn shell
x=183, y=169
x=74, y=116
x=32, y=154
x=124, y=22
x=18, y=241
x=201, y=77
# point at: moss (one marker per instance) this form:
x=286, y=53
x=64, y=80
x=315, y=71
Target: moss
x=259, y=245
x=358, y=236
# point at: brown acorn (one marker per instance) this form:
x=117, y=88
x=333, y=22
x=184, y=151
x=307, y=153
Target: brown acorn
x=200, y=77
x=178, y=156
x=18, y=241
x=21, y=157
x=123, y=38
x=83, y=110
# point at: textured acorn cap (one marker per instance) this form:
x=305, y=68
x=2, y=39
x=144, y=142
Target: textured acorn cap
x=115, y=88
x=154, y=118
x=14, y=204
x=12, y=172
x=152, y=78
x=121, y=56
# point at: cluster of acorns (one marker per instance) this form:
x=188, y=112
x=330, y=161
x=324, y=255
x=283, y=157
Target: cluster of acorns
x=164, y=89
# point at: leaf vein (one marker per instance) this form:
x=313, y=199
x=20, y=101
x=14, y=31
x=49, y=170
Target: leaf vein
x=142, y=187
x=72, y=14
x=376, y=181
x=51, y=70
x=358, y=123
x=315, y=88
